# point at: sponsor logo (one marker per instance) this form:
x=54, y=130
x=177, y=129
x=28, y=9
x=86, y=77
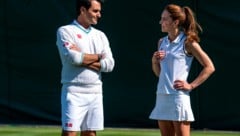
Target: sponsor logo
x=68, y=124
x=66, y=44
x=79, y=36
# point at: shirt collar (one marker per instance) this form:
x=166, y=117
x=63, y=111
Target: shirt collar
x=81, y=27
x=178, y=38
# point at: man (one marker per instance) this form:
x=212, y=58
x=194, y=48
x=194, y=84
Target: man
x=84, y=53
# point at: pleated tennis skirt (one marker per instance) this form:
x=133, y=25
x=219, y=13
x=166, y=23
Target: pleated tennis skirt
x=173, y=108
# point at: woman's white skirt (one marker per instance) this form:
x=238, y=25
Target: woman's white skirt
x=172, y=107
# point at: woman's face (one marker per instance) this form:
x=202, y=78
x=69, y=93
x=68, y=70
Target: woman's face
x=166, y=22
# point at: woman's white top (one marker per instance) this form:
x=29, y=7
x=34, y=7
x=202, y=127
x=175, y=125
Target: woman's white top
x=175, y=65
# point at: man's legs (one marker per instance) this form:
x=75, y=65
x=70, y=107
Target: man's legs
x=88, y=133
x=74, y=133
x=69, y=133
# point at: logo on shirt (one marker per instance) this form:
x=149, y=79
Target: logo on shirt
x=79, y=36
x=66, y=44
x=68, y=124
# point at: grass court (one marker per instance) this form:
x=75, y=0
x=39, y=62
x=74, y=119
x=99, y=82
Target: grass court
x=20, y=130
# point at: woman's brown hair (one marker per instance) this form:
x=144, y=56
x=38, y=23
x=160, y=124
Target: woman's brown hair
x=187, y=21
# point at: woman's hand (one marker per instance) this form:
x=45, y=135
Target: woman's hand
x=182, y=85
x=158, y=56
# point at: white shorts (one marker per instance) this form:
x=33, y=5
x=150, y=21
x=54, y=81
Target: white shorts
x=82, y=111
x=172, y=107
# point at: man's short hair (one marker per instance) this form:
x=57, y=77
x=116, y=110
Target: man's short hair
x=84, y=3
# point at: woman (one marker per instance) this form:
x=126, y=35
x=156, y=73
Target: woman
x=172, y=63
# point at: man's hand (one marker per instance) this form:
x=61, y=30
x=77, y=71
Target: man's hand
x=74, y=47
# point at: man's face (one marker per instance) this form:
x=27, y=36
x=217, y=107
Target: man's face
x=92, y=15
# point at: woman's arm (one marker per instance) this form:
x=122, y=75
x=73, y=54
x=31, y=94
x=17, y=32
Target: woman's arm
x=156, y=58
x=208, y=67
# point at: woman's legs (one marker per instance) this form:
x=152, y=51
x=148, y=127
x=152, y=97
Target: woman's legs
x=166, y=128
x=182, y=128
x=174, y=128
